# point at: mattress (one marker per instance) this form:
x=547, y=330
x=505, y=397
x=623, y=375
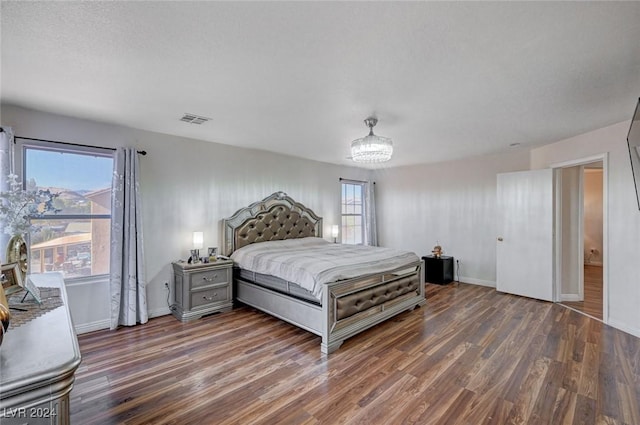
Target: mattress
x=278, y=284
x=312, y=262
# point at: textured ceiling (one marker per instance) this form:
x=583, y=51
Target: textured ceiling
x=446, y=80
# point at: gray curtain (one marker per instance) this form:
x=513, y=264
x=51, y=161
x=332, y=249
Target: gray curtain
x=127, y=280
x=6, y=168
x=370, y=223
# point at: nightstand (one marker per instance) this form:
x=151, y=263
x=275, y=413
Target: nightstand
x=202, y=288
x=438, y=269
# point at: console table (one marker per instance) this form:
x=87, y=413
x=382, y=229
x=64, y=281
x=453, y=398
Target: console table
x=38, y=361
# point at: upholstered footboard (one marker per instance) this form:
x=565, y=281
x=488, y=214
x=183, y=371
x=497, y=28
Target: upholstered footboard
x=354, y=305
x=348, y=306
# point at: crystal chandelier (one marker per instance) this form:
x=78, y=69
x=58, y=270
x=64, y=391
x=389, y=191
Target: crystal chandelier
x=371, y=148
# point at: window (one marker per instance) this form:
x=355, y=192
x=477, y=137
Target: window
x=353, y=212
x=76, y=240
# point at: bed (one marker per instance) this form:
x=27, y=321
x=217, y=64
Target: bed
x=335, y=302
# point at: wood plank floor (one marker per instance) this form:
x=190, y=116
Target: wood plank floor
x=470, y=356
x=592, y=304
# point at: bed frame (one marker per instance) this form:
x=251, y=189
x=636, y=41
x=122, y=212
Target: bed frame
x=348, y=307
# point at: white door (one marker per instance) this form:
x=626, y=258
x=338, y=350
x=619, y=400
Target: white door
x=525, y=234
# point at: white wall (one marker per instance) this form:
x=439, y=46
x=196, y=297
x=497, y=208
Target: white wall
x=186, y=185
x=452, y=203
x=622, y=244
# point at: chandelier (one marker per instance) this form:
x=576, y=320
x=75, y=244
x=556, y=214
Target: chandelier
x=371, y=148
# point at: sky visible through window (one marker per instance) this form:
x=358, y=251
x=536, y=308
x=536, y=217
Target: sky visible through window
x=69, y=170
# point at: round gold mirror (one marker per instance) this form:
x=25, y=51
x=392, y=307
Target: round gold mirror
x=17, y=253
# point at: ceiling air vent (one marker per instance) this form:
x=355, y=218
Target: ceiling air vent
x=194, y=119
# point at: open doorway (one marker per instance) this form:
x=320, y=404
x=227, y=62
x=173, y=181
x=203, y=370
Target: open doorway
x=540, y=240
x=582, y=206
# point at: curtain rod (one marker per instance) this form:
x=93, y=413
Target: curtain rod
x=352, y=180
x=70, y=144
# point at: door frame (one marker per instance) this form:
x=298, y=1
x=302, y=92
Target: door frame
x=604, y=157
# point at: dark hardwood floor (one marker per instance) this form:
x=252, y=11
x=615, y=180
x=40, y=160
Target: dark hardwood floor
x=592, y=304
x=470, y=356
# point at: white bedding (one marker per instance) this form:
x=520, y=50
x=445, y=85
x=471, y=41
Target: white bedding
x=311, y=262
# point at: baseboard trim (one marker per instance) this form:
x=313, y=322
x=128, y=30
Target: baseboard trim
x=475, y=281
x=570, y=297
x=624, y=327
x=157, y=312
x=99, y=325
x=92, y=326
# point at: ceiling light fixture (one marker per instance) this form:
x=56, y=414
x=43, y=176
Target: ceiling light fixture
x=371, y=148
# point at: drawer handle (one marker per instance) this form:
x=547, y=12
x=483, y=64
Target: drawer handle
x=211, y=298
x=210, y=279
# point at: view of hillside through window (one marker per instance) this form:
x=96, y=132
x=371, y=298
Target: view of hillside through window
x=76, y=239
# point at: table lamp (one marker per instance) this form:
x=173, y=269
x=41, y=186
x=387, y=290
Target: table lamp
x=335, y=231
x=198, y=243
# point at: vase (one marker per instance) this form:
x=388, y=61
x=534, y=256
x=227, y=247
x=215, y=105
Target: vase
x=5, y=315
x=17, y=253
x=5, y=318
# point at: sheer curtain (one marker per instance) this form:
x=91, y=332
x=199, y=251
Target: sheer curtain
x=6, y=168
x=370, y=222
x=127, y=280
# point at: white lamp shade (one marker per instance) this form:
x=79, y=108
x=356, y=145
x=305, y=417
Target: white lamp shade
x=198, y=240
x=335, y=231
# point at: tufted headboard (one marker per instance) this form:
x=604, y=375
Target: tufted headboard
x=276, y=217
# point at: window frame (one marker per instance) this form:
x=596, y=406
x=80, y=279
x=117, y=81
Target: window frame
x=362, y=214
x=22, y=145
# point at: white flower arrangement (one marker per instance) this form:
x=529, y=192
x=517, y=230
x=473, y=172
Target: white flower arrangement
x=19, y=206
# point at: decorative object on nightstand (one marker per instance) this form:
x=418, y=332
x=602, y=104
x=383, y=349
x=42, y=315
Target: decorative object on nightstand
x=201, y=289
x=438, y=269
x=437, y=250
x=213, y=253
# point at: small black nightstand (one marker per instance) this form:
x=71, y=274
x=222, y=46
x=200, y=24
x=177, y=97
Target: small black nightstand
x=438, y=270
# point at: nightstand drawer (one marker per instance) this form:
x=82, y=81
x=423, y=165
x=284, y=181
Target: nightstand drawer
x=210, y=296
x=210, y=277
